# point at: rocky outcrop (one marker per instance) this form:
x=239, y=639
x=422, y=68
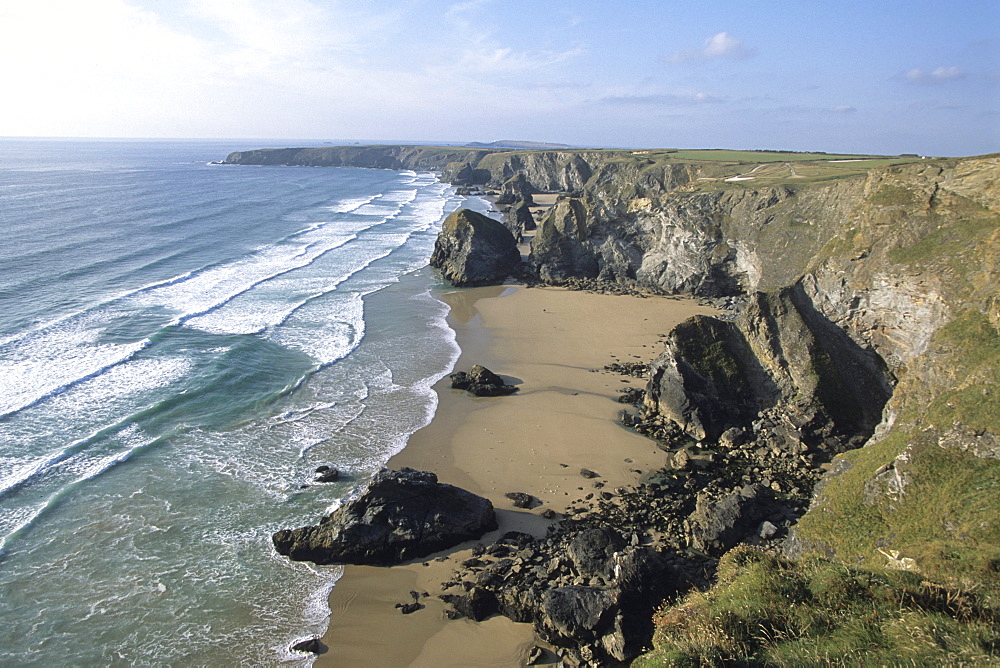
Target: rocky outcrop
x=584, y=589
x=472, y=249
x=716, y=375
x=519, y=219
x=516, y=189
x=721, y=521
x=403, y=515
x=481, y=382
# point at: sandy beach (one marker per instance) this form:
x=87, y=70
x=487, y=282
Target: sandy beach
x=552, y=343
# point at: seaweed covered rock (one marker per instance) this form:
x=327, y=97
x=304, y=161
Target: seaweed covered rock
x=472, y=249
x=403, y=515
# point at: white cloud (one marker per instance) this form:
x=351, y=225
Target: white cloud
x=88, y=61
x=722, y=44
x=719, y=45
x=845, y=109
x=498, y=60
x=938, y=75
x=207, y=67
x=665, y=99
x=474, y=49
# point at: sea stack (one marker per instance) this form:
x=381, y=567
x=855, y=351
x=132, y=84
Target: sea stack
x=472, y=250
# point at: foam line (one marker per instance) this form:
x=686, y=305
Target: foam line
x=101, y=466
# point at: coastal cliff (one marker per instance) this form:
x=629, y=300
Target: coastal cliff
x=848, y=408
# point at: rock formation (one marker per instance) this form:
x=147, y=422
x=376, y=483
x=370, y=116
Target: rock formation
x=472, y=249
x=481, y=382
x=862, y=352
x=403, y=515
x=780, y=351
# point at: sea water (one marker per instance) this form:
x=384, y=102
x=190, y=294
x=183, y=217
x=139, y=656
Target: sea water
x=181, y=345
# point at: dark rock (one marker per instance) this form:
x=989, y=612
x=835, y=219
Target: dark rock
x=403, y=515
x=481, y=382
x=472, y=249
x=719, y=522
x=477, y=605
x=549, y=514
x=577, y=612
x=518, y=219
x=592, y=551
x=518, y=539
x=587, y=473
x=311, y=646
x=634, y=369
x=522, y=500
x=409, y=608
x=327, y=474
x=631, y=395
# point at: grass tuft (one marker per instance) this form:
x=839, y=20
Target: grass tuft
x=767, y=610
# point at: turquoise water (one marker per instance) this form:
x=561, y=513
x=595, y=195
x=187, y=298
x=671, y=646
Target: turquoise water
x=182, y=344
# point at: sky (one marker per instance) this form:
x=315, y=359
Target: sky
x=872, y=76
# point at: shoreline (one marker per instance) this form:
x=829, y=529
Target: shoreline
x=550, y=342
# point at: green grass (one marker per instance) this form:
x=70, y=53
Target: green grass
x=765, y=610
x=948, y=519
x=975, y=343
x=751, y=157
x=890, y=195
x=953, y=245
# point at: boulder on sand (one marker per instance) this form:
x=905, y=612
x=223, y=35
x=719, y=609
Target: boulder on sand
x=481, y=382
x=403, y=515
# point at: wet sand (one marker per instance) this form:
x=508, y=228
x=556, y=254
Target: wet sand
x=549, y=341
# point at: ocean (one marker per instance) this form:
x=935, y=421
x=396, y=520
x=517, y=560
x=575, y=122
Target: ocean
x=182, y=344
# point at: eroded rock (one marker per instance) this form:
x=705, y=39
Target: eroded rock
x=472, y=249
x=403, y=515
x=481, y=382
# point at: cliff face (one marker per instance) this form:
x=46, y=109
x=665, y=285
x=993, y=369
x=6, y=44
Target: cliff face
x=894, y=276
x=872, y=319
x=665, y=235
x=780, y=353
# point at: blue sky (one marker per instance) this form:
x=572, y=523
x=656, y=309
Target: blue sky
x=881, y=76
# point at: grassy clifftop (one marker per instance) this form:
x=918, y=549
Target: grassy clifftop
x=905, y=531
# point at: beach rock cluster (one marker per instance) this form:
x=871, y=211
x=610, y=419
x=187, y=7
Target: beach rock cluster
x=472, y=250
x=403, y=515
x=590, y=586
x=481, y=382
x=586, y=590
